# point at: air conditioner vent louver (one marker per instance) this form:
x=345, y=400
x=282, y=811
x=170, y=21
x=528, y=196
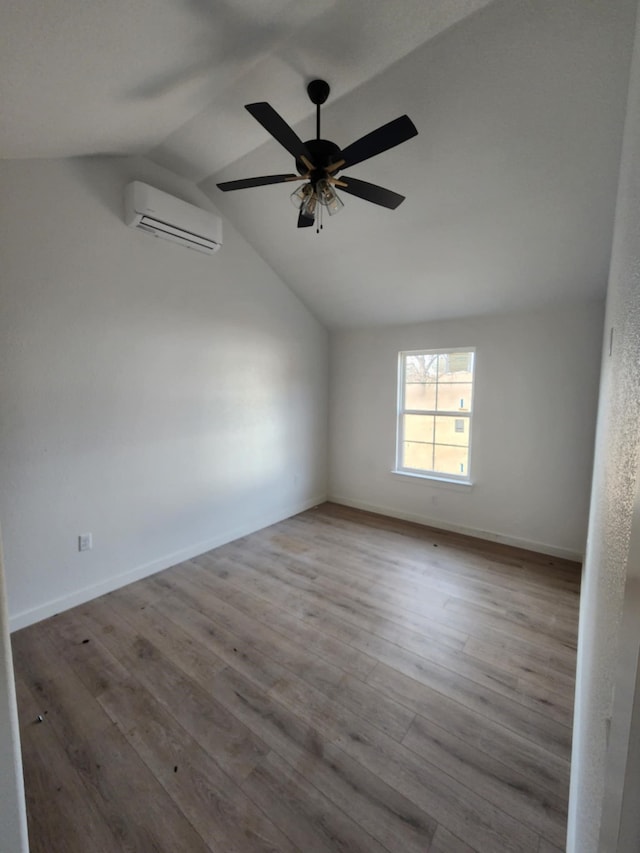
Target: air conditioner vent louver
x=165, y=216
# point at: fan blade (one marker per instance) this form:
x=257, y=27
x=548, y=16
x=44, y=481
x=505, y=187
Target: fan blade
x=371, y=192
x=255, y=182
x=385, y=137
x=279, y=129
x=305, y=222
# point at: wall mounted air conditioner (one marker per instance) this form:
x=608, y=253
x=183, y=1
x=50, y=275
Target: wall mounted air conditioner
x=163, y=215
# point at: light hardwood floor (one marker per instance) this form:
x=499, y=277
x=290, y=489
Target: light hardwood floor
x=337, y=682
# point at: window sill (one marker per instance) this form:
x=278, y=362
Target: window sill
x=433, y=478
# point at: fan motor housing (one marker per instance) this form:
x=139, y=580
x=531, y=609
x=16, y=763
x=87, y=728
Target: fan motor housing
x=323, y=153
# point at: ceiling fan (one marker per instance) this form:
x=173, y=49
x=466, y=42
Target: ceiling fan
x=318, y=161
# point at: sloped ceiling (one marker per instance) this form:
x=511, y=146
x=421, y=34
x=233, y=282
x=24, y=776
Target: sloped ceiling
x=510, y=184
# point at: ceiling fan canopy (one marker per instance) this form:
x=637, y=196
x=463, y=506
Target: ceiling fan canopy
x=318, y=161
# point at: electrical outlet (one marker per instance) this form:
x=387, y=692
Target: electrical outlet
x=85, y=542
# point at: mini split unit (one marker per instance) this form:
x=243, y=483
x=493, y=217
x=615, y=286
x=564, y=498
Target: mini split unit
x=165, y=216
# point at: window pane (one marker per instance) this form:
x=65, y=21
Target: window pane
x=420, y=396
x=454, y=397
x=459, y=366
x=418, y=456
x=420, y=376
x=421, y=367
x=418, y=428
x=451, y=460
x=447, y=430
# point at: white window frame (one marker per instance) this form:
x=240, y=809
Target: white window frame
x=464, y=479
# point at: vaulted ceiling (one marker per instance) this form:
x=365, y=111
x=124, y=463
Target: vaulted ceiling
x=510, y=184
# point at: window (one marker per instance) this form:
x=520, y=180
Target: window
x=435, y=407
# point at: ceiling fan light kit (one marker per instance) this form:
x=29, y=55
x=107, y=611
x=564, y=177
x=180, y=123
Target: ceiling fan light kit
x=318, y=161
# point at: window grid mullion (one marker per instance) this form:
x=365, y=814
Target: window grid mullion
x=447, y=413
x=433, y=446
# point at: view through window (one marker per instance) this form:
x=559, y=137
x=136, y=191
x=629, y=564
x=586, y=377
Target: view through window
x=435, y=406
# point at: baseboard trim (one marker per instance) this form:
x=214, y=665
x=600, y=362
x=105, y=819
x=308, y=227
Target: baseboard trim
x=81, y=596
x=490, y=536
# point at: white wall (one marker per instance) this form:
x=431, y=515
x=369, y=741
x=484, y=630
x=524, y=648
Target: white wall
x=162, y=399
x=533, y=428
x=605, y=781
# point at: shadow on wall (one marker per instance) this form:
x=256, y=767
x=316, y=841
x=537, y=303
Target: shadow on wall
x=106, y=175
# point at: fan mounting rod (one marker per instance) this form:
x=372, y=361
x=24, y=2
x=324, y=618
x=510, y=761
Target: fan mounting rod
x=318, y=91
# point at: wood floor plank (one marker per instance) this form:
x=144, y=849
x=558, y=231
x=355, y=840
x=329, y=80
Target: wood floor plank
x=276, y=589
x=73, y=637
x=330, y=649
x=360, y=578
x=399, y=825
x=400, y=681
x=547, y=847
x=553, y=634
x=338, y=681
x=294, y=656
x=562, y=660
x=232, y=745
x=195, y=657
x=389, y=817
x=53, y=789
x=423, y=575
x=114, y=776
x=469, y=816
x=414, y=637
x=506, y=788
x=404, y=611
x=336, y=685
x=539, y=668
x=522, y=754
x=440, y=795
x=313, y=822
x=402, y=541
x=216, y=807
x=332, y=681
x=445, y=842
x=211, y=638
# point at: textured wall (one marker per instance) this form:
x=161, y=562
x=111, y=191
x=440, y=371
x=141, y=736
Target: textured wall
x=13, y=819
x=611, y=521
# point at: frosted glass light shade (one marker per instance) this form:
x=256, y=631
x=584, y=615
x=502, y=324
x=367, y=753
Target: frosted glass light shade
x=328, y=197
x=300, y=195
x=308, y=208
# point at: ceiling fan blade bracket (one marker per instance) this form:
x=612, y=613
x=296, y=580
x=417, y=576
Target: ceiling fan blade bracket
x=307, y=163
x=333, y=167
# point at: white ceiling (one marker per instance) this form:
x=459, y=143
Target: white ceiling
x=510, y=185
